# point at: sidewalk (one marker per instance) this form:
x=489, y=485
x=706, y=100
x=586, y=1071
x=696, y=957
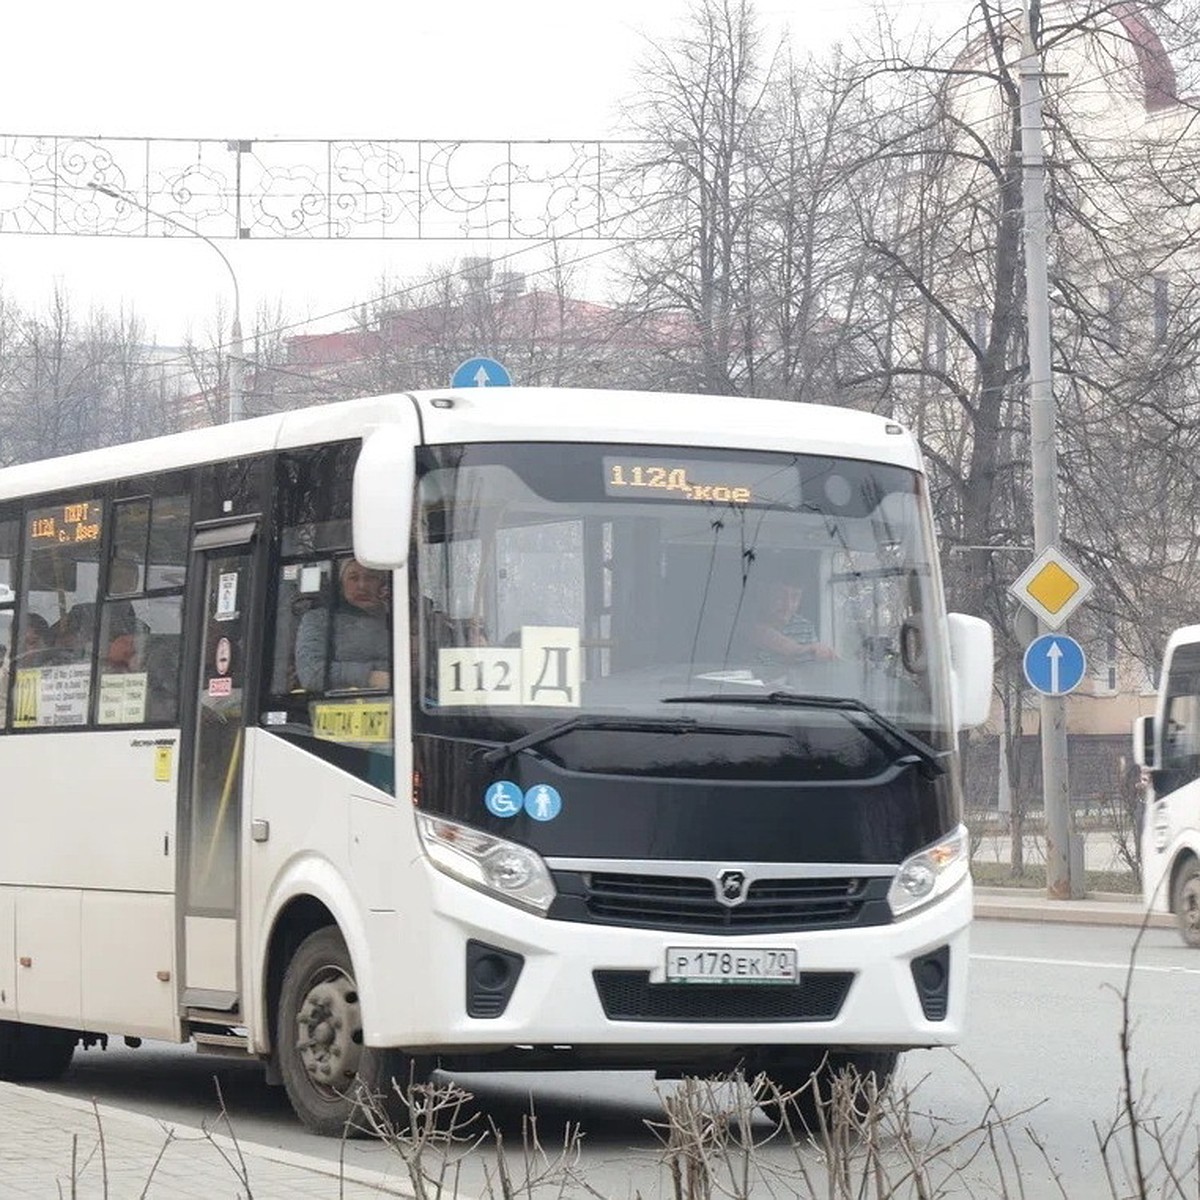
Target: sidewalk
x=120, y=1155
x=1099, y=908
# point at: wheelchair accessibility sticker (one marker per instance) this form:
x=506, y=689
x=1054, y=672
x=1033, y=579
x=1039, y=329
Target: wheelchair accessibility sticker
x=503, y=799
x=542, y=802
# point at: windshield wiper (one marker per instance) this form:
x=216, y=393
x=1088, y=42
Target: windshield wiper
x=621, y=724
x=924, y=753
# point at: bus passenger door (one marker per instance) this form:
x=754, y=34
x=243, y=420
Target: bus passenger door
x=211, y=767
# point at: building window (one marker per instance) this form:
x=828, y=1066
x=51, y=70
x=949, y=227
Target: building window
x=979, y=328
x=1151, y=676
x=1112, y=299
x=1104, y=664
x=1162, y=310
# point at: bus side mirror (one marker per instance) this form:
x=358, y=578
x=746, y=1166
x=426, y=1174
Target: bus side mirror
x=383, y=497
x=970, y=669
x=1143, y=742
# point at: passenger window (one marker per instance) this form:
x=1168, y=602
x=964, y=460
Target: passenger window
x=6, y=621
x=1181, y=726
x=8, y=563
x=56, y=623
x=139, y=666
x=303, y=588
x=170, y=524
x=141, y=619
x=344, y=643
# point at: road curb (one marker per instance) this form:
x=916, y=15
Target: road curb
x=1000, y=904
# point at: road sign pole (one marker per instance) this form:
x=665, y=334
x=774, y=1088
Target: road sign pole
x=1055, y=784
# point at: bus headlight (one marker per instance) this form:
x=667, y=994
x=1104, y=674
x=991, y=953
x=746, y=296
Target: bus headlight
x=930, y=873
x=499, y=868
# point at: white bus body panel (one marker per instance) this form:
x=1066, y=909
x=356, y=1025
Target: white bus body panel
x=49, y=969
x=1171, y=823
x=127, y=950
x=85, y=810
x=332, y=837
x=1159, y=865
x=8, y=953
x=88, y=858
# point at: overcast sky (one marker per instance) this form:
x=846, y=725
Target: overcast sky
x=454, y=69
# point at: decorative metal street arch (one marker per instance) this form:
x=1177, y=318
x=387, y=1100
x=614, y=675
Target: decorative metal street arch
x=391, y=190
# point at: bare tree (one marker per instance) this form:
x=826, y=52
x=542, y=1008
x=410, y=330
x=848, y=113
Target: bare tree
x=701, y=107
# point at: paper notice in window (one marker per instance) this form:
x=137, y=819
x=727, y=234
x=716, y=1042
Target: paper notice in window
x=122, y=699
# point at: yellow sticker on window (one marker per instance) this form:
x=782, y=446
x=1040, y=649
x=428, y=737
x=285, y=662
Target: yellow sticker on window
x=25, y=697
x=163, y=756
x=351, y=723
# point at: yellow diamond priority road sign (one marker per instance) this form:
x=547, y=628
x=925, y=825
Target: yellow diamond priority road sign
x=1052, y=587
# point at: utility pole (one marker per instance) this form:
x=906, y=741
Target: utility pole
x=1042, y=440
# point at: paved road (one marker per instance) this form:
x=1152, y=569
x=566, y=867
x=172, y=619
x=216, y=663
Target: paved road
x=1044, y=1039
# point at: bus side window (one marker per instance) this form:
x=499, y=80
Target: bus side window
x=60, y=586
x=1181, y=727
x=8, y=595
x=303, y=588
x=6, y=624
x=141, y=618
x=346, y=644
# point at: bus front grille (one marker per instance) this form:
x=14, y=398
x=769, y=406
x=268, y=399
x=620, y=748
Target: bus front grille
x=689, y=903
x=630, y=996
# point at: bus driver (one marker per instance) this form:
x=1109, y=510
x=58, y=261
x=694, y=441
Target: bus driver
x=780, y=634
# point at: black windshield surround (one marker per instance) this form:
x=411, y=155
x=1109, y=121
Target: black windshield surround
x=788, y=775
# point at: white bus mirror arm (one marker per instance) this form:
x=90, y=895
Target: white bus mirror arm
x=971, y=669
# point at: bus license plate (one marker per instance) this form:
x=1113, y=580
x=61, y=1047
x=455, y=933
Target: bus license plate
x=702, y=964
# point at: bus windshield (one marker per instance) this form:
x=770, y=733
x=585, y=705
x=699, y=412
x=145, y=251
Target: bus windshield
x=556, y=580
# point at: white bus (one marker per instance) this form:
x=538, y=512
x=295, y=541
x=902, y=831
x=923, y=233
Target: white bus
x=574, y=808
x=1168, y=744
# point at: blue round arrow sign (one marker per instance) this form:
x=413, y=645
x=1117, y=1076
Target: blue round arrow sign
x=480, y=372
x=1054, y=664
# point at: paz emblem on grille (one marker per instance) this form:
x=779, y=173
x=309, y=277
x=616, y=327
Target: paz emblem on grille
x=731, y=887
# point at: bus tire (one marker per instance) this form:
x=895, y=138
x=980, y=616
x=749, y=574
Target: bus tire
x=809, y=1086
x=338, y=1086
x=34, y=1052
x=1185, y=902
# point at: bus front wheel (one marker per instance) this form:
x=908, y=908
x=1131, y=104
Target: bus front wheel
x=338, y=1085
x=1187, y=903
x=34, y=1052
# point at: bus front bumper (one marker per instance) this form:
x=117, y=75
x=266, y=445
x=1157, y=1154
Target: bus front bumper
x=604, y=986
